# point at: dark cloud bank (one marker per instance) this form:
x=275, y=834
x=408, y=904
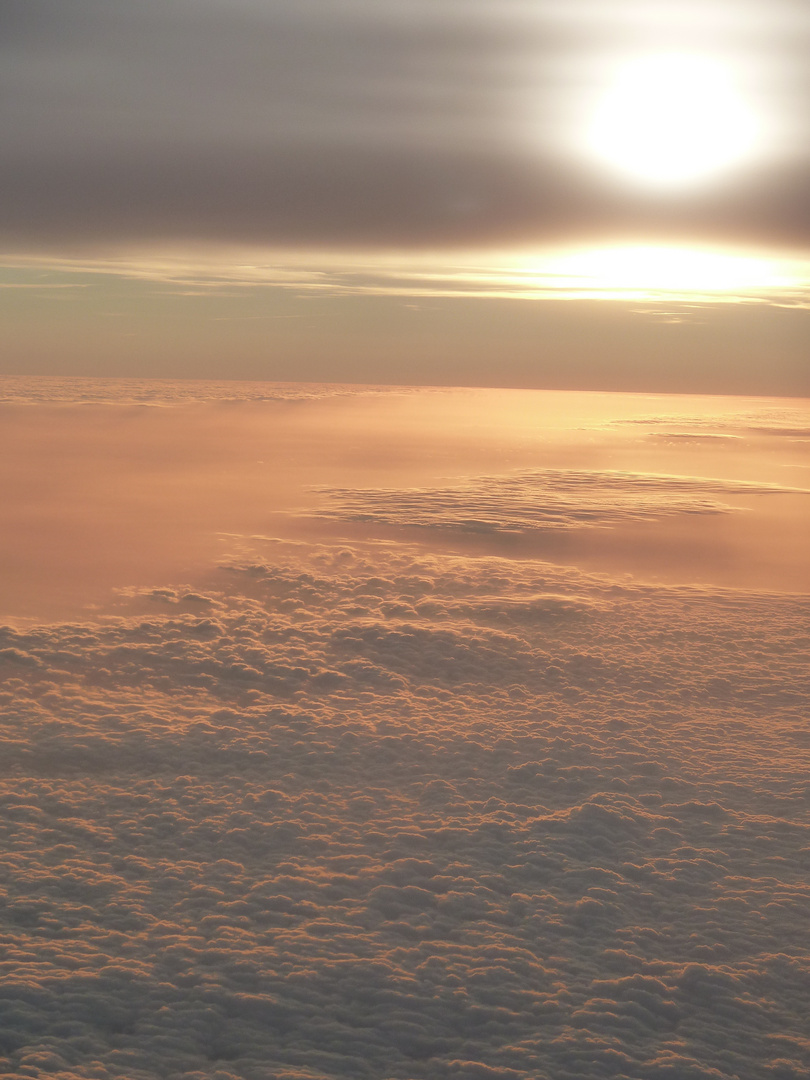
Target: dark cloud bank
x=365, y=813
x=332, y=123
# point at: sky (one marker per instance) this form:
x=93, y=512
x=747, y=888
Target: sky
x=578, y=195
x=404, y=646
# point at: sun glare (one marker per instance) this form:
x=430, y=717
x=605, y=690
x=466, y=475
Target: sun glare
x=654, y=269
x=672, y=121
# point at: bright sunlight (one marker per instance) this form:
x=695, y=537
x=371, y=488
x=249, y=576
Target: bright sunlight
x=673, y=121
x=650, y=269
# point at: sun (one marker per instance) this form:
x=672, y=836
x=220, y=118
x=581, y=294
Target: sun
x=672, y=121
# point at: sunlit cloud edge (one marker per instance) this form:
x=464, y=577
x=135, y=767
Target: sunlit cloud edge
x=605, y=273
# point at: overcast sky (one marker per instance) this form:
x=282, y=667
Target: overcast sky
x=351, y=126
x=334, y=122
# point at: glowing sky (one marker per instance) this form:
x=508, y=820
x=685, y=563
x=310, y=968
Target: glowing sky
x=168, y=166
x=450, y=730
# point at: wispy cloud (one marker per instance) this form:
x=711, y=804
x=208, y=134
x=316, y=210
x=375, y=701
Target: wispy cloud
x=542, y=499
x=646, y=275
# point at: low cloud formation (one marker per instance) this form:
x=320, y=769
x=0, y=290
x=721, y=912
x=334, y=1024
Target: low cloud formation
x=543, y=499
x=359, y=812
x=788, y=423
x=75, y=390
x=327, y=123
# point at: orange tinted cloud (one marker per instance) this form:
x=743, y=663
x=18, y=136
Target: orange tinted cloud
x=288, y=825
x=353, y=806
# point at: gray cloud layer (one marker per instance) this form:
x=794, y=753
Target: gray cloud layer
x=385, y=816
x=325, y=122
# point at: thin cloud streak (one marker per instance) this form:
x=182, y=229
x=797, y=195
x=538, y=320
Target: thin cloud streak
x=776, y=280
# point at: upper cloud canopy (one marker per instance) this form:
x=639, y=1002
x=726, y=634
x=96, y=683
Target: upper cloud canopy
x=333, y=123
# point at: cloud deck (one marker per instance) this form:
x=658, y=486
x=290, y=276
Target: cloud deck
x=364, y=812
